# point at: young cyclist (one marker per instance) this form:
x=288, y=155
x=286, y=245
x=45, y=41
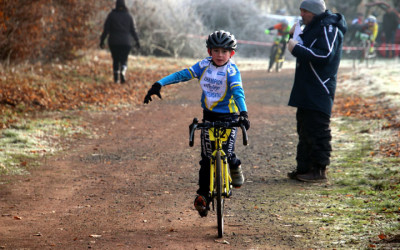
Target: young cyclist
x=222, y=96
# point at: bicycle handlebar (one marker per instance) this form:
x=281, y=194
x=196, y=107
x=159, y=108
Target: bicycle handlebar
x=206, y=125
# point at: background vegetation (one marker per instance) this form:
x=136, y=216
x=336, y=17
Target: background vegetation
x=51, y=30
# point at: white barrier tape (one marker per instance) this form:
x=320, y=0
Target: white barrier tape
x=238, y=41
x=392, y=47
x=395, y=47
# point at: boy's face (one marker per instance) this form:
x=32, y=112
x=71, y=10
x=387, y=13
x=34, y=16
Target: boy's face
x=220, y=56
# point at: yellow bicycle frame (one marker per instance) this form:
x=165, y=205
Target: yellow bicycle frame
x=219, y=138
x=279, y=52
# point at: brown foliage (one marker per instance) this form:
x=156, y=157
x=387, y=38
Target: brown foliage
x=371, y=108
x=75, y=85
x=44, y=29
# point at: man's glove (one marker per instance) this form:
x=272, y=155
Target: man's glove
x=138, y=45
x=244, y=119
x=154, y=90
x=267, y=31
x=291, y=44
x=101, y=45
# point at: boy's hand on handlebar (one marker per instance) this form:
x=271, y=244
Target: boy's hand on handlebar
x=244, y=119
x=154, y=90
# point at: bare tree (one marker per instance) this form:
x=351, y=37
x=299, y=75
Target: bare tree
x=164, y=27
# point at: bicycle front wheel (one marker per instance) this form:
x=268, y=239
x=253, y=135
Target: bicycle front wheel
x=220, y=199
x=272, y=54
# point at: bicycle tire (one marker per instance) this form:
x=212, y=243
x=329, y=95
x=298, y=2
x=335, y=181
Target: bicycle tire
x=220, y=199
x=366, y=52
x=272, y=56
x=277, y=58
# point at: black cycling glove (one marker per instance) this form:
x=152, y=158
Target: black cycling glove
x=154, y=90
x=244, y=119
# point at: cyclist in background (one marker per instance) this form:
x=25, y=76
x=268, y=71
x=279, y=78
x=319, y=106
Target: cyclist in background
x=222, y=97
x=283, y=29
x=371, y=29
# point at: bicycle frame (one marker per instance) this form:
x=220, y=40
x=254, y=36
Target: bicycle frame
x=365, y=53
x=219, y=135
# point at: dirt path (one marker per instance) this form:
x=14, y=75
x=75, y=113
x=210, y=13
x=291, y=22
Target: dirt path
x=132, y=186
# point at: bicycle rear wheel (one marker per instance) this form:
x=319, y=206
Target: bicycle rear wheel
x=220, y=199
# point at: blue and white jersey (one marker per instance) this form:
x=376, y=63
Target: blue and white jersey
x=222, y=86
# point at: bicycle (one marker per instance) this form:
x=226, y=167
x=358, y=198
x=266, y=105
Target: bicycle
x=366, y=53
x=220, y=179
x=276, y=54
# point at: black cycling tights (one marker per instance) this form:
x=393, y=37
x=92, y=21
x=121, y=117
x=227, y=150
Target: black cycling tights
x=120, y=55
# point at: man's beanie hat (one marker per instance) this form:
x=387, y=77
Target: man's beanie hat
x=314, y=6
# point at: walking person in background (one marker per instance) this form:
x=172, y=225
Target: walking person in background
x=120, y=28
x=318, y=49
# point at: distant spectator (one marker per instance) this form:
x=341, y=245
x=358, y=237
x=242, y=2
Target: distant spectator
x=120, y=28
x=390, y=23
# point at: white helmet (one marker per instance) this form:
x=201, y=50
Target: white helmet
x=371, y=19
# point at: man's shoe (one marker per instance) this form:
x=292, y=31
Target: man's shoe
x=293, y=175
x=237, y=177
x=323, y=173
x=200, y=203
x=314, y=175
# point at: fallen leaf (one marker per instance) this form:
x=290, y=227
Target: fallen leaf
x=382, y=236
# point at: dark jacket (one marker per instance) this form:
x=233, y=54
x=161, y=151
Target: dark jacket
x=119, y=26
x=318, y=62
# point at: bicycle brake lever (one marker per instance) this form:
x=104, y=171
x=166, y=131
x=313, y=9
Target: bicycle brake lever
x=192, y=129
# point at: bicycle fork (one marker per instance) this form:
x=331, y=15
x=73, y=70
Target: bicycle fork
x=226, y=178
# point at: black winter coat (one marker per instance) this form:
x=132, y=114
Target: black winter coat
x=120, y=27
x=317, y=63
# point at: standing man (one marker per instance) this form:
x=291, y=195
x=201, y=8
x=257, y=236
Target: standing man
x=120, y=28
x=318, y=50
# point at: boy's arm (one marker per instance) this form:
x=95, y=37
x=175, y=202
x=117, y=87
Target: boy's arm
x=240, y=100
x=238, y=96
x=180, y=76
x=235, y=84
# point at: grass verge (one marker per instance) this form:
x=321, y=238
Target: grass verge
x=360, y=207
x=28, y=140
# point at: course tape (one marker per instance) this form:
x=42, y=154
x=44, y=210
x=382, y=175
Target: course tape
x=383, y=47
